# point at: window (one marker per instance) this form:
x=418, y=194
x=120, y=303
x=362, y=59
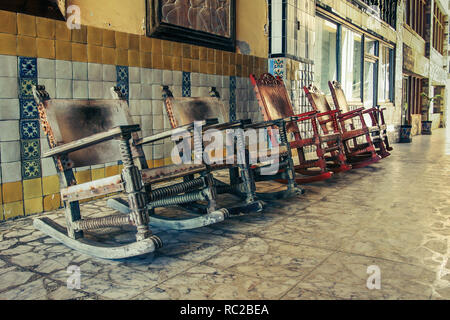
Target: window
x=415, y=15
x=438, y=29
x=325, y=53
x=385, y=80
x=351, y=47
x=370, y=72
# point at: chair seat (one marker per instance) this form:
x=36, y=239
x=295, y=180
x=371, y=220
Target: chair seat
x=170, y=172
x=353, y=134
x=330, y=137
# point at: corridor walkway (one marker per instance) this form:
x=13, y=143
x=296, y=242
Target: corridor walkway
x=393, y=217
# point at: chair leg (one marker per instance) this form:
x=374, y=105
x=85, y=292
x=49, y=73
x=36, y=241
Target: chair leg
x=134, y=189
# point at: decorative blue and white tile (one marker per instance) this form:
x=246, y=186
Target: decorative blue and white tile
x=30, y=149
x=26, y=87
x=124, y=89
x=31, y=169
x=186, y=87
x=28, y=109
x=277, y=67
x=29, y=129
x=122, y=74
x=27, y=67
x=232, y=111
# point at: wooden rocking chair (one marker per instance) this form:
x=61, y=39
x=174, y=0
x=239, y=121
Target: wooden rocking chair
x=377, y=129
x=358, y=154
x=275, y=103
x=91, y=132
x=243, y=175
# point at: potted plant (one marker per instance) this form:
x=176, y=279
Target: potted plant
x=405, y=128
x=426, y=124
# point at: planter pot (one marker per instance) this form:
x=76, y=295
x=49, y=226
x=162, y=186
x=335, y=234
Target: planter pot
x=405, y=133
x=426, y=127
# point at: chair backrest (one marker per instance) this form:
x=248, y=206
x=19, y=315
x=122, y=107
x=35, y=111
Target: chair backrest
x=340, y=102
x=319, y=102
x=67, y=120
x=185, y=110
x=273, y=96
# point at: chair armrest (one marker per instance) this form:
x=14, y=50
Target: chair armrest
x=328, y=113
x=167, y=134
x=370, y=110
x=91, y=140
x=306, y=114
x=353, y=112
x=228, y=125
x=269, y=123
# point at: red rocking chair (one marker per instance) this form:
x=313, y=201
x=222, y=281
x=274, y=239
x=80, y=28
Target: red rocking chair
x=358, y=154
x=275, y=104
x=377, y=129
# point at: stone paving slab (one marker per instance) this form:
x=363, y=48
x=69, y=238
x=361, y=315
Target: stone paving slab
x=394, y=215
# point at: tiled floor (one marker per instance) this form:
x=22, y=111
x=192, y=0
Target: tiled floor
x=394, y=215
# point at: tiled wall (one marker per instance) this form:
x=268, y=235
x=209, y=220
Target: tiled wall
x=85, y=64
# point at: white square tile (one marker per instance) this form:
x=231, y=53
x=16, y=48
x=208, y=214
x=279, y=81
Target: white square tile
x=63, y=69
x=135, y=107
x=95, y=90
x=10, y=151
x=157, y=107
x=146, y=91
x=95, y=72
x=146, y=76
x=177, y=78
x=107, y=87
x=135, y=91
x=45, y=146
x=146, y=107
x=80, y=71
x=156, y=76
x=48, y=167
x=177, y=91
x=50, y=86
x=134, y=74
x=8, y=88
x=80, y=89
x=167, y=78
x=9, y=109
x=46, y=68
x=203, y=80
x=64, y=89
x=148, y=151
x=158, y=151
x=8, y=66
x=156, y=92
x=158, y=122
x=109, y=73
x=11, y=172
x=147, y=123
x=195, y=79
x=9, y=130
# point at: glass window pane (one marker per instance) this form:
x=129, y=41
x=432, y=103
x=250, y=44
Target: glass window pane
x=351, y=47
x=369, y=68
x=384, y=76
x=369, y=46
x=325, y=53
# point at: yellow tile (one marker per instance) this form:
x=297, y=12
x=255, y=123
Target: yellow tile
x=150, y=163
x=168, y=161
x=9, y=44
x=32, y=188
x=45, y=48
x=26, y=25
x=158, y=163
x=33, y=206
x=94, y=54
x=79, y=52
x=94, y=36
x=108, y=55
x=50, y=185
x=52, y=202
x=83, y=176
x=2, y=218
x=62, y=32
x=145, y=44
x=9, y=22
x=108, y=38
x=122, y=40
x=111, y=171
x=13, y=209
x=46, y=28
x=26, y=46
x=63, y=50
x=12, y=191
x=121, y=57
x=1, y=198
x=98, y=173
x=133, y=58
